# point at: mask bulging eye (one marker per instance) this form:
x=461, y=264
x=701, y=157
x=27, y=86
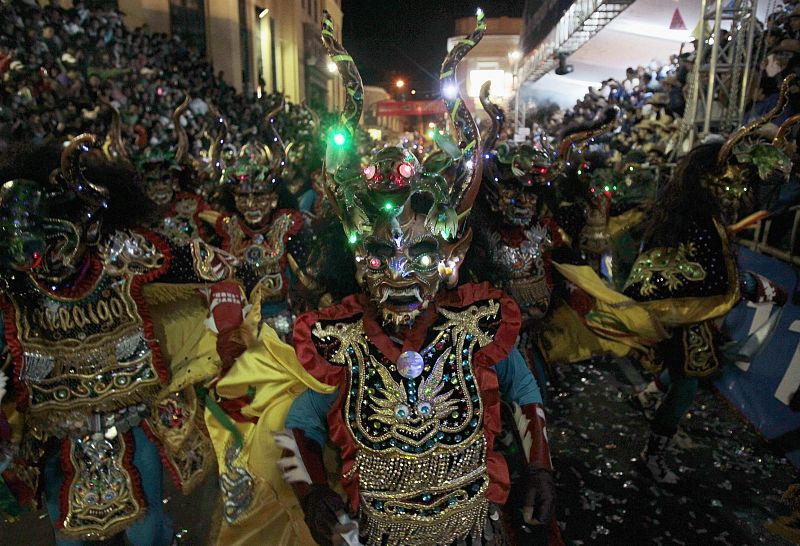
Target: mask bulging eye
x=425, y=409
x=369, y=172
x=425, y=261
x=405, y=170
x=402, y=412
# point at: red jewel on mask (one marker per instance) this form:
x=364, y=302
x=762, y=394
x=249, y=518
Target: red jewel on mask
x=374, y=263
x=540, y=170
x=405, y=170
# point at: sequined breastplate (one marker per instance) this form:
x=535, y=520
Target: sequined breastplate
x=262, y=255
x=180, y=227
x=85, y=355
x=521, y=270
x=418, y=426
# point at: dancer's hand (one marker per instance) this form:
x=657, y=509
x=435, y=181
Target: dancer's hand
x=323, y=507
x=540, y=497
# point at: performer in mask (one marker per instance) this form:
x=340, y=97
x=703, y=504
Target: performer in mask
x=419, y=367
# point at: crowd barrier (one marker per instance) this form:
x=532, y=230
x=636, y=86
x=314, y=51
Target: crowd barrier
x=762, y=382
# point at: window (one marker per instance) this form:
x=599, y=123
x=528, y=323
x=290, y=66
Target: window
x=188, y=20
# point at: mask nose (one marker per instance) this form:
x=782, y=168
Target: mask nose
x=397, y=268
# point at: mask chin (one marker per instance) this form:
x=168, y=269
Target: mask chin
x=253, y=217
x=400, y=306
x=160, y=196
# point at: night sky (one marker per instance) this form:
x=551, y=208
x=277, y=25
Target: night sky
x=408, y=39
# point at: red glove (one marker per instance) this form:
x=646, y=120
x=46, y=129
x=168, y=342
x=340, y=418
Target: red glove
x=539, y=483
x=321, y=505
x=225, y=306
x=539, y=456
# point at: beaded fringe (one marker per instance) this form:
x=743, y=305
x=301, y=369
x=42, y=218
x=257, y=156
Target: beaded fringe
x=392, y=530
x=404, y=474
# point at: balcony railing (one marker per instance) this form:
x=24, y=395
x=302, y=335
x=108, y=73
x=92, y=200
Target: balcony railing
x=582, y=21
x=758, y=237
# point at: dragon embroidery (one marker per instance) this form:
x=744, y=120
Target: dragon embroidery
x=393, y=407
x=672, y=264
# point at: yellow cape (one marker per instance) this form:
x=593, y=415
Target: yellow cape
x=259, y=507
x=616, y=324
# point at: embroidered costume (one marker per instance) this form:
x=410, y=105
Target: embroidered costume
x=90, y=377
x=419, y=371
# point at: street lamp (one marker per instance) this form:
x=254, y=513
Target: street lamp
x=400, y=84
x=413, y=91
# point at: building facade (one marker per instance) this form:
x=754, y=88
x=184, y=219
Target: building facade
x=492, y=59
x=260, y=46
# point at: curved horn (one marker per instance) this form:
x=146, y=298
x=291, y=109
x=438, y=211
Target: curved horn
x=606, y=123
x=92, y=195
x=354, y=97
x=780, y=136
x=279, y=158
x=215, y=148
x=464, y=191
x=743, y=132
x=182, y=155
x=113, y=145
x=497, y=117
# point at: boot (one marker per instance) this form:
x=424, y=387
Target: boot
x=652, y=457
x=647, y=400
x=788, y=527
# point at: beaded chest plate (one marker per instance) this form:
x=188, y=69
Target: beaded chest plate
x=263, y=255
x=85, y=354
x=421, y=460
x=522, y=270
x=181, y=226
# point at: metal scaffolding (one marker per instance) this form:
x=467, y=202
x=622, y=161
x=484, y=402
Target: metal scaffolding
x=724, y=66
x=582, y=21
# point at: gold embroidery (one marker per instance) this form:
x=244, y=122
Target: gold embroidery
x=399, y=529
x=101, y=501
x=262, y=252
x=421, y=462
x=98, y=365
x=670, y=263
x=211, y=264
x=185, y=441
x=699, y=356
x=237, y=485
x=350, y=336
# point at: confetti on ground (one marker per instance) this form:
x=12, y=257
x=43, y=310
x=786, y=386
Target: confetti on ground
x=731, y=482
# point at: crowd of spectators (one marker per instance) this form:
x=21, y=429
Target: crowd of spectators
x=58, y=65
x=653, y=99
x=660, y=91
